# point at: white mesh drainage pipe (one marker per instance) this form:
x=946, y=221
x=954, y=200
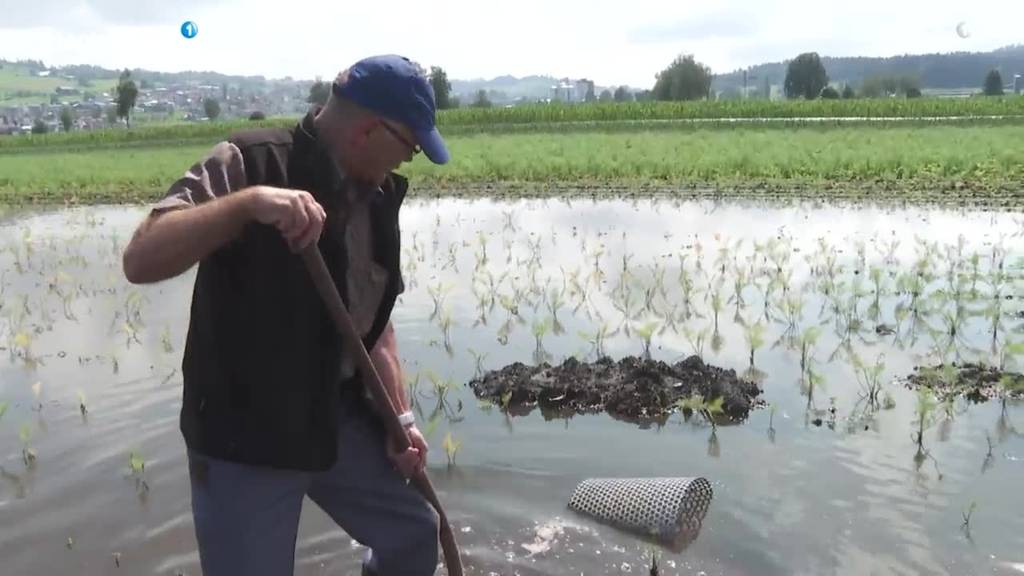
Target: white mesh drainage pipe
x=667, y=509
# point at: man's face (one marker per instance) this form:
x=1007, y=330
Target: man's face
x=381, y=145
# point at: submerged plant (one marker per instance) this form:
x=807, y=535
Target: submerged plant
x=646, y=332
x=754, y=334
x=923, y=414
x=870, y=378
x=28, y=454
x=451, y=448
x=807, y=341
x=137, y=470
x=708, y=410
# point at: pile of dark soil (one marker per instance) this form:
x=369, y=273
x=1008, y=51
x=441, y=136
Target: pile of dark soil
x=632, y=389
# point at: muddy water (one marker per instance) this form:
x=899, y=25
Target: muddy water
x=852, y=495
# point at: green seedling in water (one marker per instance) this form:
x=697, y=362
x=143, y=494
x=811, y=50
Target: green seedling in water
x=451, y=448
x=136, y=463
x=28, y=455
x=540, y=329
x=445, y=322
x=708, y=410
x=137, y=466
x=597, y=339
x=754, y=334
x=870, y=378
x=3, y=409
x=966, y=514
x=716, y=304
x=478, y=360
x=807, y=341
x=165, y=340
x=646, y=332
x=81, y=403
x=697, y=340
x=441, y=386
x=924, y=414
x=506, y=399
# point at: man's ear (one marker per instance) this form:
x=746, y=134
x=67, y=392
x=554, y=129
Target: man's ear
x=362, y=129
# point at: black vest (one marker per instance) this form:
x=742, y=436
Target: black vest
x=262, y=358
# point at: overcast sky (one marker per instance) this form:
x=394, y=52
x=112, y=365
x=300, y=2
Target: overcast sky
x=611, y=42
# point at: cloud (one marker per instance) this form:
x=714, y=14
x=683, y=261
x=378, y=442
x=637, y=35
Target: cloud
x=730, y=24
x=91, y=14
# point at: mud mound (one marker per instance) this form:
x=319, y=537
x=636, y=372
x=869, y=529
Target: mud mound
x=632, y=389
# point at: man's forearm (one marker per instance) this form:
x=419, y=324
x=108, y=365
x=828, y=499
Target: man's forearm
x=385, y=360
x=170, y=243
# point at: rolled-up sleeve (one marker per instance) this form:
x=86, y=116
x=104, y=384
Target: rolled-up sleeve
x=220, y=173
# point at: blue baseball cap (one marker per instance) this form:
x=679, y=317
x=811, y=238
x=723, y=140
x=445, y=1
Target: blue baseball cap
x=391, y=85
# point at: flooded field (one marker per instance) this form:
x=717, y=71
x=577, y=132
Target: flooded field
x=842, y=470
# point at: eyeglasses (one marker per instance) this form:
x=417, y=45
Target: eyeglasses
x=401, y=138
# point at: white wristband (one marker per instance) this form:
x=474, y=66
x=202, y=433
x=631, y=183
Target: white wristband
x=406, y=419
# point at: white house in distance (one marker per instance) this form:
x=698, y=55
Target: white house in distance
x=1018, y=83
x=570, y=90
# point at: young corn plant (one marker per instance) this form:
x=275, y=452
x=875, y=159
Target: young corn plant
x=716, y=303
x=540, y=329
x=697, y=339
x=28, y=454
x=555, y=302
x=924, y=414
x=597, y=339
x=451, y=448
x=698, y=405
x=478, y=361
x=445, y=322
x=646, y=332
x=870, y=378
x=137, y=471
x=754, y=334
x=807, y=342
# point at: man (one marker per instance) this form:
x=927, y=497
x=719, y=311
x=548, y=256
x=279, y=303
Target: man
x=273, y=409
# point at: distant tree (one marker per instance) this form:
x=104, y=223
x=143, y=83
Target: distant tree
x=145, y=84
x=907, y=84
x=111, y=115
x=54, y=99
x=848, y=92
x=481, y=100
x=805, y=77
x=454, y=102
x=994, y=83
x=829, y=93
x=40, y=127
x=319, y=92
x=67, y=118
x=88, y=96
x=913, y=92
x=622, y=94
x=442, y=87
x=212, y=108
x=589, y=96
x=684, y=79
x=606, y=96
x=644, y=96
x=257, y=115
x=127, y=93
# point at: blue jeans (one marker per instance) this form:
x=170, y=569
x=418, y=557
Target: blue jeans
x=247, y=517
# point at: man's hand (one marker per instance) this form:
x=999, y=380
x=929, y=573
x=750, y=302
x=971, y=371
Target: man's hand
x=415, y=458
x=295, y=213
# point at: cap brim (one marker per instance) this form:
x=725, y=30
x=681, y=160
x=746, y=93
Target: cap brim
x=433, y=146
